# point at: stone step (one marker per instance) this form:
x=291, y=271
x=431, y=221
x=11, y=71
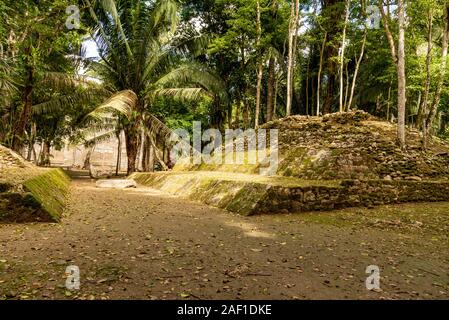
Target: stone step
x=253, y=194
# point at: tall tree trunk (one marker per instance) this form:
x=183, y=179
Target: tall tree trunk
x=237, y=111
x=389, y=101
x=345, y=104
x=401, y=75
x=357, y=67
x=307, y=84
x=342, y=53
x=442, y=75
x=246, y=115
x=258, y=95
x=259, y=68
x=20, y=126
x=270, y=93
x=332, y=10
x=320, y=70
x=150, y=157
x=119, y=153
x=398, y=56
x=132, y=145
x=423, y=106
x=292, y=31
x=86, y=164
x=275, y=102
x=45, y=154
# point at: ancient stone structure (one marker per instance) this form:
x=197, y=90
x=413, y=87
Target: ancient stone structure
x=29, y=193
x=331, y=162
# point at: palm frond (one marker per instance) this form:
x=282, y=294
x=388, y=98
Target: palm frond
x=103, y=137
x=110, y=7
x=123, y=102
x=64, y=81
x=166, y=11
x=64, y=102
x=181, y=94
x=195, y=74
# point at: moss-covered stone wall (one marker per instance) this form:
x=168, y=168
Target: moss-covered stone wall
x=265, y=196
x=41, y=198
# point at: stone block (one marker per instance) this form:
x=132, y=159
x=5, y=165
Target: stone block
x=116, y=184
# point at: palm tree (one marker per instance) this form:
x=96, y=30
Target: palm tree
x=141, y=58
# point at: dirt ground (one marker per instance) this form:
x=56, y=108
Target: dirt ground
x=142, y=244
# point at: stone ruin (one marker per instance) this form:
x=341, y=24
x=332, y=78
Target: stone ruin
x=331, y=162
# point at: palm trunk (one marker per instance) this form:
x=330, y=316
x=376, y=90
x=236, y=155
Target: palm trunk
x=86, y=164
x=119, y=154
x=132, y=146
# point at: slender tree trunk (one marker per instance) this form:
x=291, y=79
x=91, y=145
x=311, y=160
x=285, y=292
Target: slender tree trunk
x=119, y=153
x=423, y=106
x=389, y=102
x=20, y=126
x=307, y=84
x=237, y=111
x=270, y=93
x=356, y=71
x=86, y=164
x=293, y=29
x=342, y=54
x=132, y=146
x=158, y=154
x=275, y=102
x=442, y=75
x=258, y=95
x=398, y=56
x=31, y=142
x=45, y=154
x=320, y=70
x=401, y=75
x=150, y=156
x=259, y=68
x=345, y=104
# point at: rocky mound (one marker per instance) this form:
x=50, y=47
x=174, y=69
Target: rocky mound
x=353, y=145
x=29, y=193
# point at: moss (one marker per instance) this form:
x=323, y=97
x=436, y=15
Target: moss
x=50, y=190
x=240, y=193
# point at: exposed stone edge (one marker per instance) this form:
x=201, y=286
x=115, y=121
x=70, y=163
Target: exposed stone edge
x=51, y=191
x=250, y=198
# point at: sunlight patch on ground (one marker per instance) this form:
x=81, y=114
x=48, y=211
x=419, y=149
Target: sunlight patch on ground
x=250, y=230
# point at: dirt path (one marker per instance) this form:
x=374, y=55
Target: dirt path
x=141, y=244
